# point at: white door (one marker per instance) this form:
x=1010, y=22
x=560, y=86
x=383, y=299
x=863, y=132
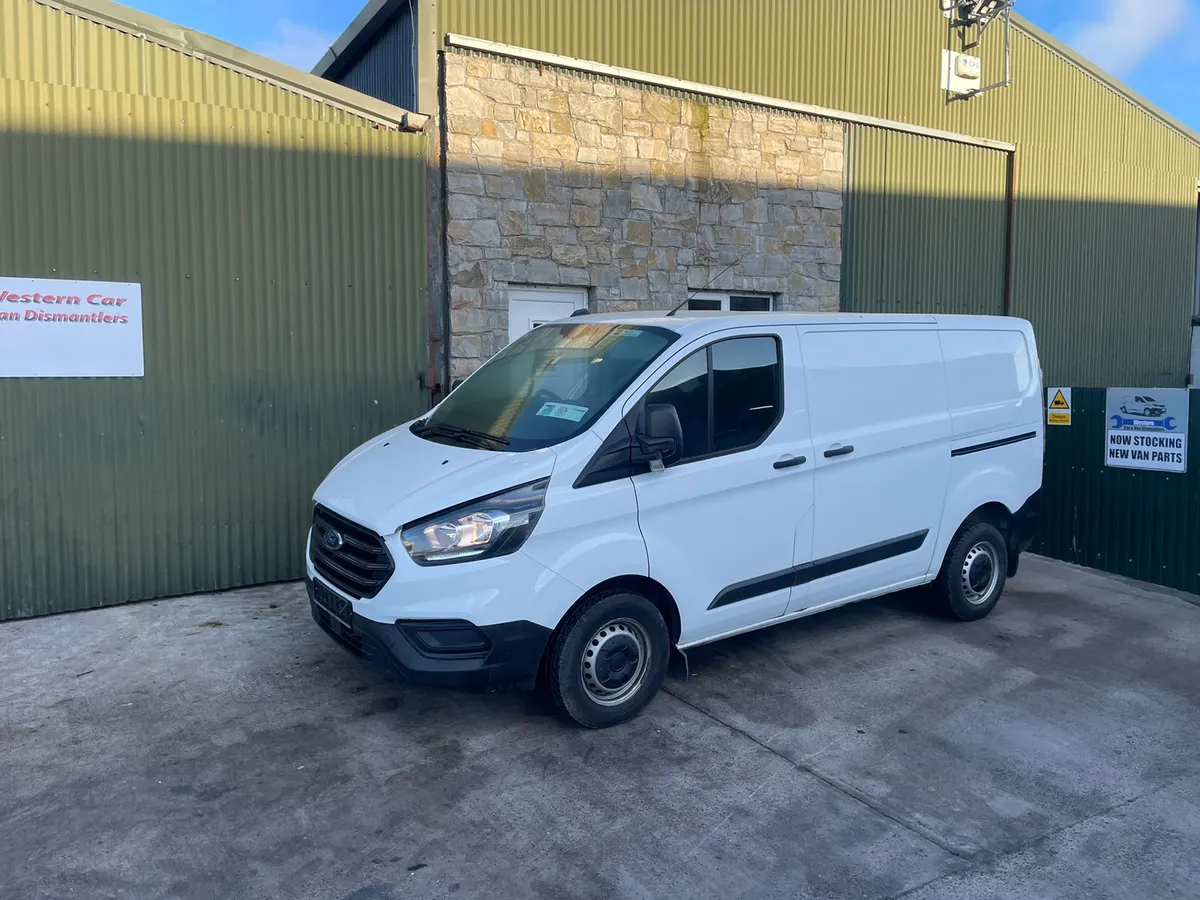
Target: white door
x=723, y=523
x=881, y=435
x=530, y=307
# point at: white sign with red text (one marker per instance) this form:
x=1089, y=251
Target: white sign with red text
x=51, y=328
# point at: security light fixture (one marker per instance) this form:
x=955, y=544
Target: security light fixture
x=974, y=12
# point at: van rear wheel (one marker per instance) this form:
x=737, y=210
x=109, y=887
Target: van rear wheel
x=609, y=659
x=974, y=573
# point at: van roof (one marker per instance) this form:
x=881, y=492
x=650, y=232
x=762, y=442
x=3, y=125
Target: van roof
x=697, y=323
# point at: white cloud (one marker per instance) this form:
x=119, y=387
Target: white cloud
x=1128, y=31
x=296, y=45
x=1191, y=46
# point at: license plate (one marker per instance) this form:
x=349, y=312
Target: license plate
x=334, y=604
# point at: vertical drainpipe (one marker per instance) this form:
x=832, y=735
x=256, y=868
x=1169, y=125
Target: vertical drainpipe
x=443, y=236
x=1010, y=234
x=1193, y=378
x=849, y=167
x=429, y=101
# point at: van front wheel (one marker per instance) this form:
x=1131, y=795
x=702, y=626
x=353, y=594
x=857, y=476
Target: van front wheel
x=609, y=659
x=974, y=572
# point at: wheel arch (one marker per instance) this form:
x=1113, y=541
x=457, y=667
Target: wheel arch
x=994, y=513
x=652, y=590
x=991, y=490
x=643, y=585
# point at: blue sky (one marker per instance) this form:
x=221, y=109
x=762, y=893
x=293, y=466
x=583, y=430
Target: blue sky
x=1153, y=45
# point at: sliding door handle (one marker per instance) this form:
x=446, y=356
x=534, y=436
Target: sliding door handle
x=791, y=461
x=838, y=450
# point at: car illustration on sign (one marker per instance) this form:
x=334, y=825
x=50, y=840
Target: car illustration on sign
x=1142, y=406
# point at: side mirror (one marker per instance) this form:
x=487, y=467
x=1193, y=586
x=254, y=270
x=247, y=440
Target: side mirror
x=660, y=436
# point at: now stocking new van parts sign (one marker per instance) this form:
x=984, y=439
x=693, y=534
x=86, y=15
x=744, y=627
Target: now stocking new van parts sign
x=50, y=328
x=1147, y=429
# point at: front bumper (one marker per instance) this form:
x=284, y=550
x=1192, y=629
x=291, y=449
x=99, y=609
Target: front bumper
x=487, y=658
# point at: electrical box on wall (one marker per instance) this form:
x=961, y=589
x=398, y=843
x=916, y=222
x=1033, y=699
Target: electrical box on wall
x=962, y=62
x=961, y=74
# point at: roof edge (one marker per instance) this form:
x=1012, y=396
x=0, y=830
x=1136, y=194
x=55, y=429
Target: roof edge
x=374, y=11
x=1054, y=45
x=203, y=46
x=464, y=42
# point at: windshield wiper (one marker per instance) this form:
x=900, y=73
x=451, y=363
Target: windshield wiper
x=464, y=434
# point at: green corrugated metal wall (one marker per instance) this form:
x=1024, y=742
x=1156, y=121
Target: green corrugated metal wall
x=1106, y=193
x=282, y=258
x=49, y=46
x=927, y=223
x=1143, y=525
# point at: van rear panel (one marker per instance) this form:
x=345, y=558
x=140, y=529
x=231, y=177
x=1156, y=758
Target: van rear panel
x=994, y=384
x=992, y=381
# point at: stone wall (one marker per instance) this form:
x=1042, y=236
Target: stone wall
x=556, y=178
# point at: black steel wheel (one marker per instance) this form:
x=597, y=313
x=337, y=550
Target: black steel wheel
x=608, y=660
x=974, y=572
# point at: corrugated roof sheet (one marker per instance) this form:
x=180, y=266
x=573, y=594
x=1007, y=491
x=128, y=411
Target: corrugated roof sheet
x=61, y=58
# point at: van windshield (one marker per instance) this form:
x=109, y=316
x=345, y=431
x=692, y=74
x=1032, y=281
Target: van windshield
x=546, y=387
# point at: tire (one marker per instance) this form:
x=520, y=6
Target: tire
x=974, y=572
x=595, y=688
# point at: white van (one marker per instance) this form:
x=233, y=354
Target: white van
x=611, y=490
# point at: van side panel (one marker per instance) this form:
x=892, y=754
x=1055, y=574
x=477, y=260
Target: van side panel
x=996, y=408
x=881, y=439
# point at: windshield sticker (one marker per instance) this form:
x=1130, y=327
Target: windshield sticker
x=563, y=411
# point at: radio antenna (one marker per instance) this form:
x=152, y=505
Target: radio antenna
x=698, y=290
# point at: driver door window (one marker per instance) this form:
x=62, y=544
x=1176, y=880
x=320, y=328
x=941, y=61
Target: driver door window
x=686, y=388
x=729, y=396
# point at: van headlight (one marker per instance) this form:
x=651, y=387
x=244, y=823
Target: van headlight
x=491, y=526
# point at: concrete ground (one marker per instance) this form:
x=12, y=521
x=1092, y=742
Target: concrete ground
x=222, y=747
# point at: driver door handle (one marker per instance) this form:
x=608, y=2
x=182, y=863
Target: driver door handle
x=838, y=450
x=790, y=461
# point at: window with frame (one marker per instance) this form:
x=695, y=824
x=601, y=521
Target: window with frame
x=729, y=395
x=712, y=301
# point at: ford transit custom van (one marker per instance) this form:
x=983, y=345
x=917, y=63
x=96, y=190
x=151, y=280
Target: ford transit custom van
x=612, y=490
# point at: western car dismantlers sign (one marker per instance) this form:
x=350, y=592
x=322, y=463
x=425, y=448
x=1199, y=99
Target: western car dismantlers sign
x=1147, y=429
x=70, y=329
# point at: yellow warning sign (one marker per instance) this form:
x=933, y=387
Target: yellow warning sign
x=1058, y=406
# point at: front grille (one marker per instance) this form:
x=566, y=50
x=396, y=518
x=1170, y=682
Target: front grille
x=348, y=556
